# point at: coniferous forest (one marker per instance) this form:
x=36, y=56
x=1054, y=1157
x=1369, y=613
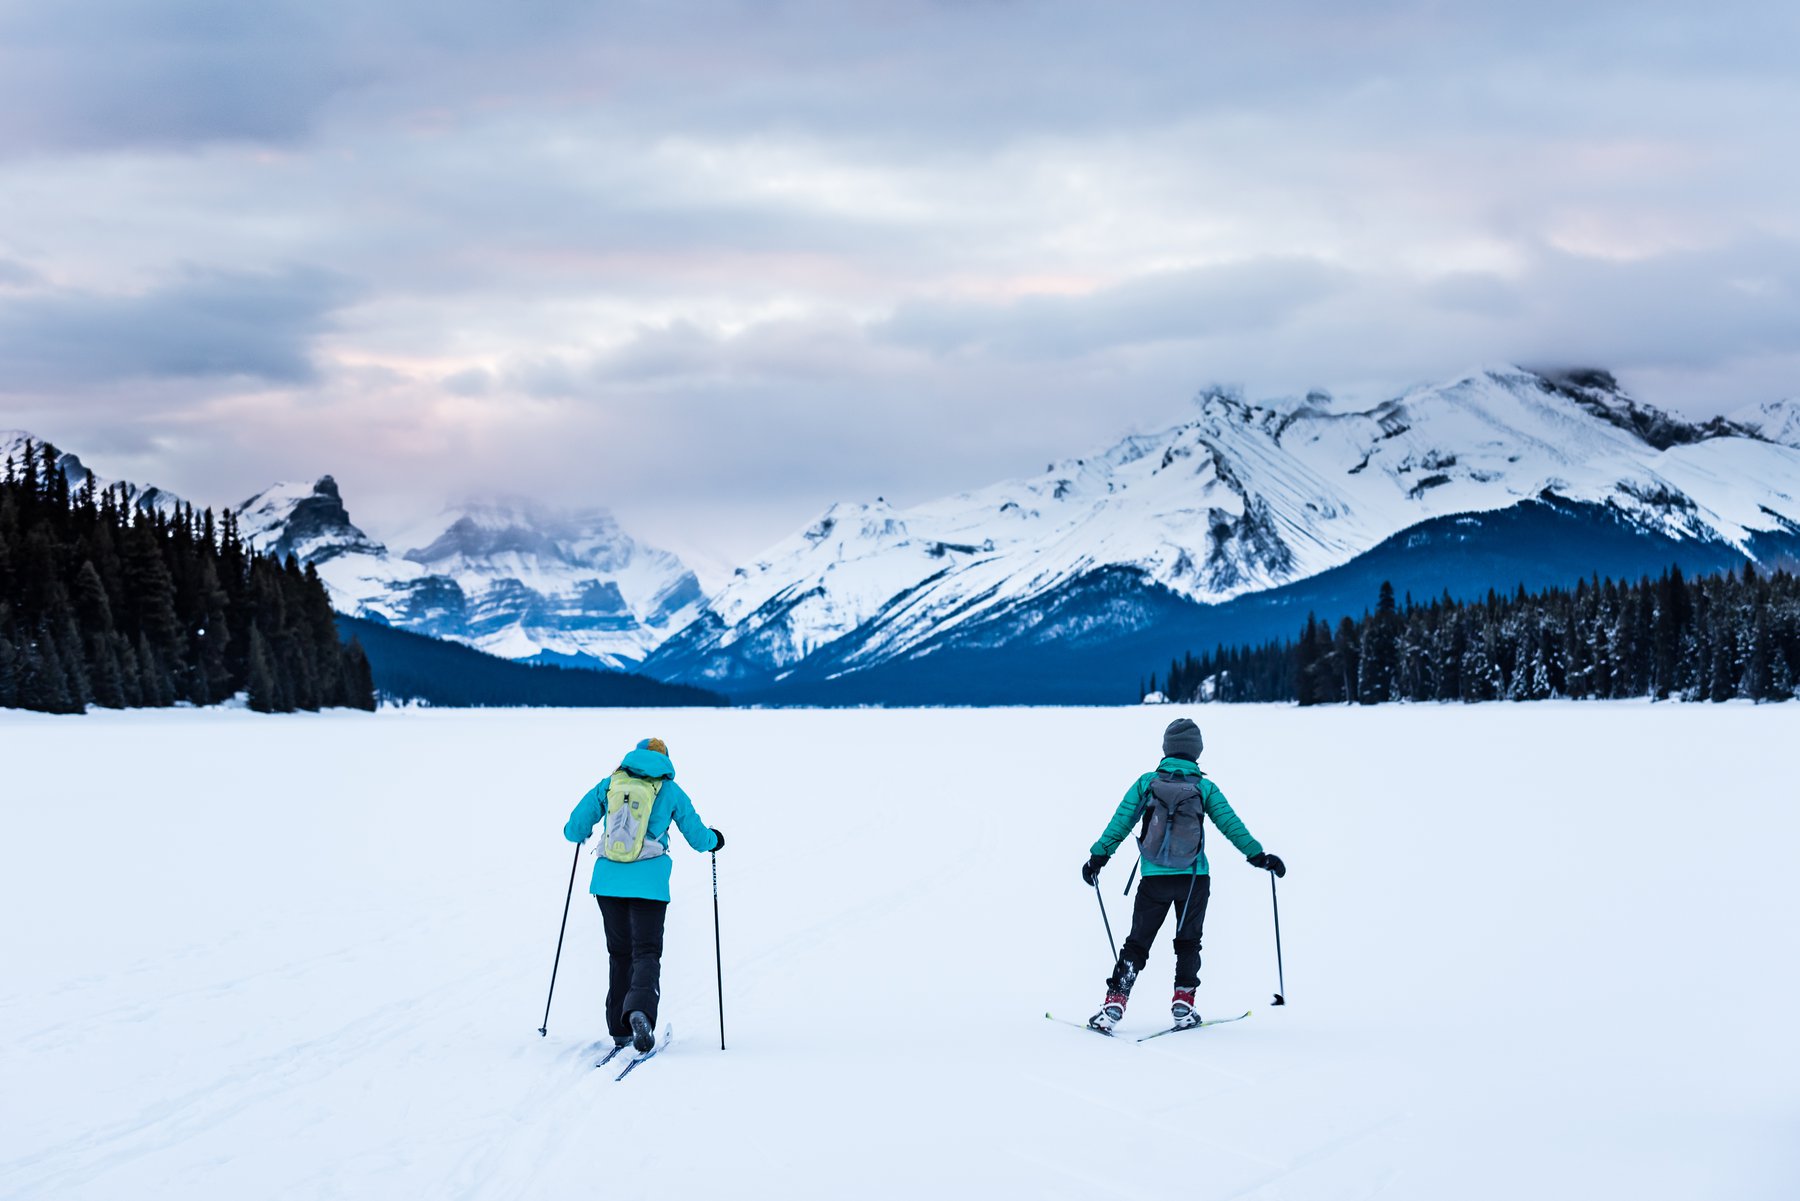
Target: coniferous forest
x=1708, y=639
x=108, y=604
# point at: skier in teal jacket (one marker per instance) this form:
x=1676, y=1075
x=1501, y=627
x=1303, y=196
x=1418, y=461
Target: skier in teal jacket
x=1170, y=801
x=634, y=896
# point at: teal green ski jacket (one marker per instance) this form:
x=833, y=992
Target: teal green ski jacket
x=647, y=879
x=1211, y=799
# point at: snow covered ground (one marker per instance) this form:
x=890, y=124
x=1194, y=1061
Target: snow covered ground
x=1535, y=951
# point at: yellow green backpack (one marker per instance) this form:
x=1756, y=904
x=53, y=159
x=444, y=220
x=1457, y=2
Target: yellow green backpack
x=629, y=799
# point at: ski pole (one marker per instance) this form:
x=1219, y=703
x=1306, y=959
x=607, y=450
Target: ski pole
x=1104, y=918
x=718, y=963
x=1130, y=878
x=1280, y=976
x=544, y=1030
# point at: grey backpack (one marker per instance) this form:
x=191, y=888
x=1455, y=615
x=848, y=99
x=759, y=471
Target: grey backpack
x=1174, y=831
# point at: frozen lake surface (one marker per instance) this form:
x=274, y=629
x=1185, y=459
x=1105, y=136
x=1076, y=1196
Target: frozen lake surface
x=1533, y=951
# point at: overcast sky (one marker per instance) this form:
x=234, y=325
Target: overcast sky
x=717, y=265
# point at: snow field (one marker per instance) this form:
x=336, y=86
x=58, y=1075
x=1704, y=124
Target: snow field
x=1539, y=950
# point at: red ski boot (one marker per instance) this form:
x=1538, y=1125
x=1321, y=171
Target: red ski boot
x=1182, y=1008
x=1112, y=1010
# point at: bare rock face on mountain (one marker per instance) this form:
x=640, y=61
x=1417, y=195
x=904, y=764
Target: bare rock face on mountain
x=306, y=521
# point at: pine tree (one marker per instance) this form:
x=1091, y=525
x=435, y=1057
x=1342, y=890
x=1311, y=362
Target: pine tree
x=9, y=659
x=263, y=695
x=359, y=679
x=1306, y=663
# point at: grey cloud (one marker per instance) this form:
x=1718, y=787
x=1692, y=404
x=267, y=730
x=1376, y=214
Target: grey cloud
x=91, y=73
x=1698, y=314
x=95, y=73
x=204, y=324
x=1478, y=293
x=1273, y=323
x=1688, y=307
x=476, y=381
x=684, y=354
x=1175, y=305
x=88, y=74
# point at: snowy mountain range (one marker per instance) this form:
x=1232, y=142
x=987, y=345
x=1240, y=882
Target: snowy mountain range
x=1071, y=584
x=515, y=579
x=1206, y=529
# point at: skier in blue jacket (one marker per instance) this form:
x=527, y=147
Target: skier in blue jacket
x=631, y=879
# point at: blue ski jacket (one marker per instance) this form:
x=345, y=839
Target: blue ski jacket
x=647, y=879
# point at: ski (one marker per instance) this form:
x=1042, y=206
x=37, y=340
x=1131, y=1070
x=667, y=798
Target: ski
x=668, y=1033
x=1196, y=1026
x=1080, y=1025
x=608, y=1057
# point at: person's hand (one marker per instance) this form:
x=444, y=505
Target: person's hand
x=719, y=844
x=1269, y=863
x=1090, y=871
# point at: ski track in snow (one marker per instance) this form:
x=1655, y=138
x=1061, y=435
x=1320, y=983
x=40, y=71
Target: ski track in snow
x=306, y=957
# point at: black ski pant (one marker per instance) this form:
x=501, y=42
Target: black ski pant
x=1155, y=896
x=634, y=945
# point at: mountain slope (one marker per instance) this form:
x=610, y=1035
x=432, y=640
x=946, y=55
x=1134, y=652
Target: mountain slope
x=1774, y=420
x=515, y=579
x=1244, y=499
x=143, y=496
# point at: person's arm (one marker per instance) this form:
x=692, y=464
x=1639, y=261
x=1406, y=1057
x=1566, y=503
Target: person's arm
x=1123, y=819
x=692, y=828
x=1228, y=822
x=585, y=816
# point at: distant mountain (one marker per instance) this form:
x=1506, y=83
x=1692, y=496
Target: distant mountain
x=1775, y=420
x=308, y=521
x=549, y=583
x=1220, y=524
x=511, y=577
x=144, y=496
x=518, y=580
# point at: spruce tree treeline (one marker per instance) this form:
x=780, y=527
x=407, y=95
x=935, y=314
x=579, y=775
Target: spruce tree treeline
x=1708, y=639
x=103, y=603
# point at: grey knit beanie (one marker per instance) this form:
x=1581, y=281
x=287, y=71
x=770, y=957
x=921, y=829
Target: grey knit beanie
x=1182, y=740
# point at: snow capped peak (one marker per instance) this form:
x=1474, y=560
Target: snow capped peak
x=145, y=497
x=560, y=552
x=12, y=446
x=308, y=521
x=480, y=532
x=513, y=577
x=1775, y=420
x=1599, y=393
x=1242, y=497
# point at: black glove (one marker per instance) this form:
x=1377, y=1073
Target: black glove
x=1090, y=871
x=719, y=845
x=1270, y=863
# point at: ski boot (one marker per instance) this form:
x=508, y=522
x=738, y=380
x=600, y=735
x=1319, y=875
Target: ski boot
x=643, y=1034
x=1112, y=1010
x=1118, y=992
x=1182, y=1009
